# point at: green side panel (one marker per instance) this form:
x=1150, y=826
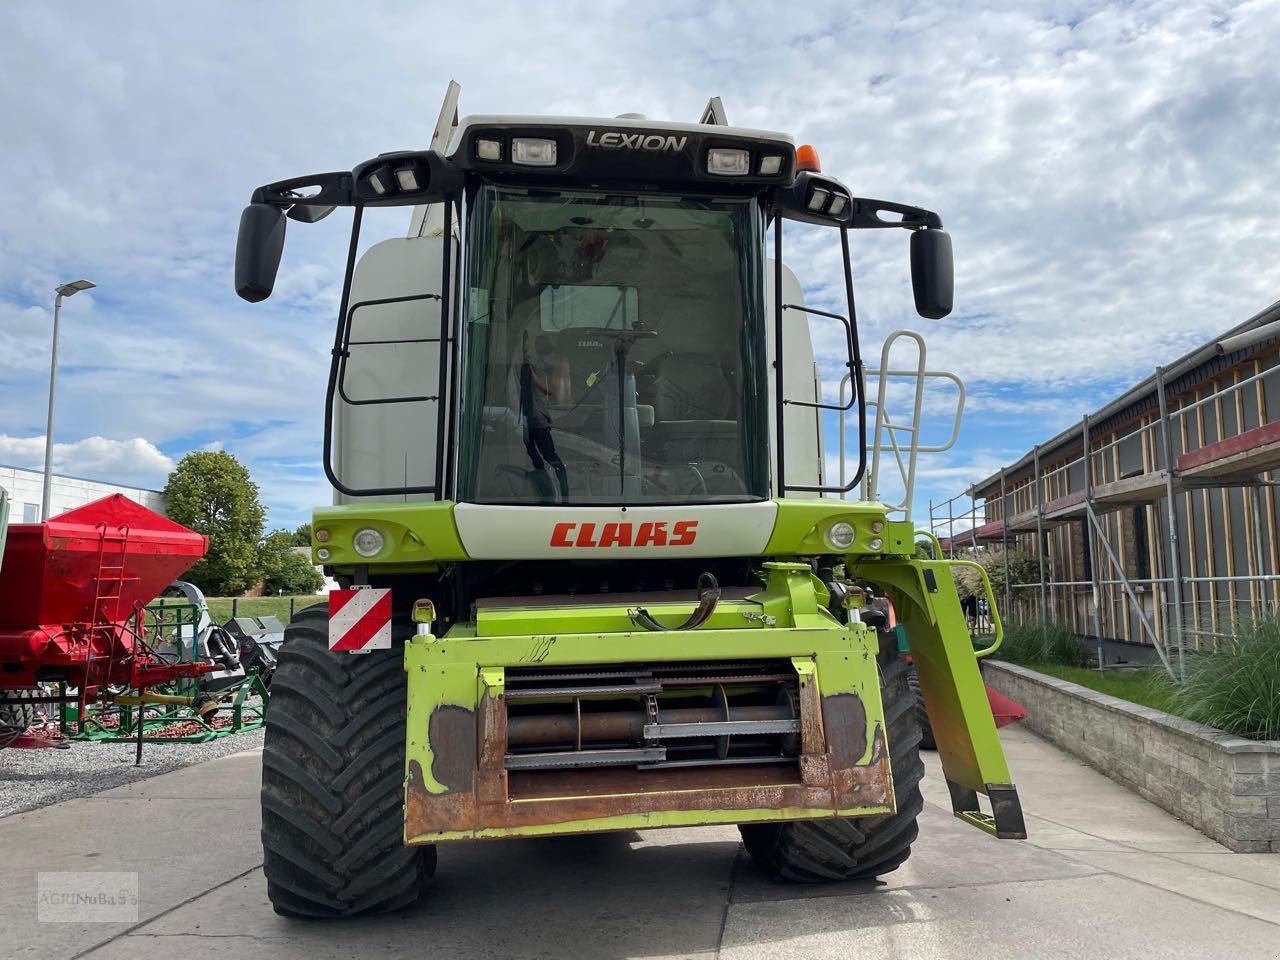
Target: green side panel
x=416, y=535
x=449, y=676
x=801, y=526
x=924, y=596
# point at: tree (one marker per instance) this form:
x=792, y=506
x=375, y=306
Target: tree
x=210, y=492
x=1023, y=568
x=302, y=535
x=284, y=570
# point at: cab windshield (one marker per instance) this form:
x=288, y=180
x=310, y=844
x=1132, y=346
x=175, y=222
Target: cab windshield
x=614, y=350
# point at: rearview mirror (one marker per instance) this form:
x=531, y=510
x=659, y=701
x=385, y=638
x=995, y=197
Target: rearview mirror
x=258, y=248
x=932, y=278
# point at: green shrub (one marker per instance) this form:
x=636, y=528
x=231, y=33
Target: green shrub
x=1238, y=688
x=1036, y=641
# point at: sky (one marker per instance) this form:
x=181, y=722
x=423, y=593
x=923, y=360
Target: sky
x=1107, y=173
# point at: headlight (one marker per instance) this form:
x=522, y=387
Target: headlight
x=368, y=542
x=322, y=553
x=840, y=535
x=533, y=151
x=726, y=162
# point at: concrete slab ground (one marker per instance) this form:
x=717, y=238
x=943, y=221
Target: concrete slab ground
x=1105, y=874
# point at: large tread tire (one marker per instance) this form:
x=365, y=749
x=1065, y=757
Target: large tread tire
x=16, y=708
x=856, y=848
x=922, y=715
x=333, y=780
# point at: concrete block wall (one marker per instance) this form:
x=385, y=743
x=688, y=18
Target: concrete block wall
x=1226, y=787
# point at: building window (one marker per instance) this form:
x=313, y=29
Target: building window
x=1141, y=548
x=31, y=513
x=1086, y=551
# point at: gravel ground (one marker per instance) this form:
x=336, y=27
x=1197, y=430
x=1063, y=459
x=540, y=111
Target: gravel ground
x=37, y=778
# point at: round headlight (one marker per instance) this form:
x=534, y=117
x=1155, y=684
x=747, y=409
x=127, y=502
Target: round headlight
x=322, y=553
x=368, y=542
x=876, y=544
x=840, y=535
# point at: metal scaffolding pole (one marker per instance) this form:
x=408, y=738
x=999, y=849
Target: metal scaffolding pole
x=1004, y=542
x=1126, y=586
x=973, y=519
x=1259, y=549
x=1171, y=522
x=1044, y=605
x=951, y=527
x=1088, y=543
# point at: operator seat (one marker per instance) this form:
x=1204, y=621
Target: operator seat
x=694, y=406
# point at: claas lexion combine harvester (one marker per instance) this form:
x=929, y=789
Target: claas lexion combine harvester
x=81, y=640
x=594, y=574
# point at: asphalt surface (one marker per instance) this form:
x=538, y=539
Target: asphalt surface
x=1105, y=874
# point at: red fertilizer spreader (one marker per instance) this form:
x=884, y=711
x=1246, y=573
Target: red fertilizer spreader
x=72, y=596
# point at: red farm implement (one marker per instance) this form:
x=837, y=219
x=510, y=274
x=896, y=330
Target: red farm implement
x=73, y=615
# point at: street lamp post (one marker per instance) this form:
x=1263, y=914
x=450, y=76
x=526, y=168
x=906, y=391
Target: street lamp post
x=66, y=290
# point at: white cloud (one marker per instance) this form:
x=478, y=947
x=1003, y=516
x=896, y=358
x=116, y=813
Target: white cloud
x=128, y=461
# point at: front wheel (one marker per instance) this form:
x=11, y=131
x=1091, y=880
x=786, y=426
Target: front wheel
x=922, y=714
x=854, y=848
x=333, y=780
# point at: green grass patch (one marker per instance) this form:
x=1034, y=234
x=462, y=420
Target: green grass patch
x=1037, y=642
x=220, y=607
x=1147, y=687
x=1236, y=689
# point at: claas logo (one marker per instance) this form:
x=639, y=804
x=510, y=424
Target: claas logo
x=647, y=534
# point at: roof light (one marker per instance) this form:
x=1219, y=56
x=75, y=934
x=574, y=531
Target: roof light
x=379, y=181
x=724, y=162
x=818, y=198
x=489, y=149
x=838, y=202
x=807, y=159
x=770, y=165
x=533, y=151
x=407, y=178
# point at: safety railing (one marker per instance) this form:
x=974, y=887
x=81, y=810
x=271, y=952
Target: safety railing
x=903, y=440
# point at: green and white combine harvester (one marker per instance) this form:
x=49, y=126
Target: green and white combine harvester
x=574, y=430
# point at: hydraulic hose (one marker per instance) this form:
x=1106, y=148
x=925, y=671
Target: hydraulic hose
x=708, y=597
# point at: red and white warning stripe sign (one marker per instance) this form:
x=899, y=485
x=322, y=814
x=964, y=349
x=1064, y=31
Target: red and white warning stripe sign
x=360, y=620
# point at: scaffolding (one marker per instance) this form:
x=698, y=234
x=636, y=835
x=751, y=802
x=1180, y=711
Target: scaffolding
x=1153, y=521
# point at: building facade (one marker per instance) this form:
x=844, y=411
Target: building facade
x=1153, y=521
x=26, y=488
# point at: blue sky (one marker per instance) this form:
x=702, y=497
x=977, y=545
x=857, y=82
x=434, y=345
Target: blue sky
x=1107, y=173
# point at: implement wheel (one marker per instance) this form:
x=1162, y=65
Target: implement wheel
x=333, y=780
x=856, y=848
x=16, y=708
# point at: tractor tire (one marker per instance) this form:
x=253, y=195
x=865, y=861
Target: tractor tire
x=855, y=848
x=16, y=708
x=922, y=715
x=333, y=780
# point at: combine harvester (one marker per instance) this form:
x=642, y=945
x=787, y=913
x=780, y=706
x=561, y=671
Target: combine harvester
x=594, y=573
x=74, y=618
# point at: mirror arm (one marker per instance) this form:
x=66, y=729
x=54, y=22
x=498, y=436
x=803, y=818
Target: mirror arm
x=866, y=216
x=331, y=190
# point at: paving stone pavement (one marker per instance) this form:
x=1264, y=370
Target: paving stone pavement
x=1104, y=874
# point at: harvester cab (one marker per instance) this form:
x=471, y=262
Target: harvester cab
x=591, y=550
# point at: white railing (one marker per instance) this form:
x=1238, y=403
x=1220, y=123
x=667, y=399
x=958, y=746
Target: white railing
x=901, y=439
